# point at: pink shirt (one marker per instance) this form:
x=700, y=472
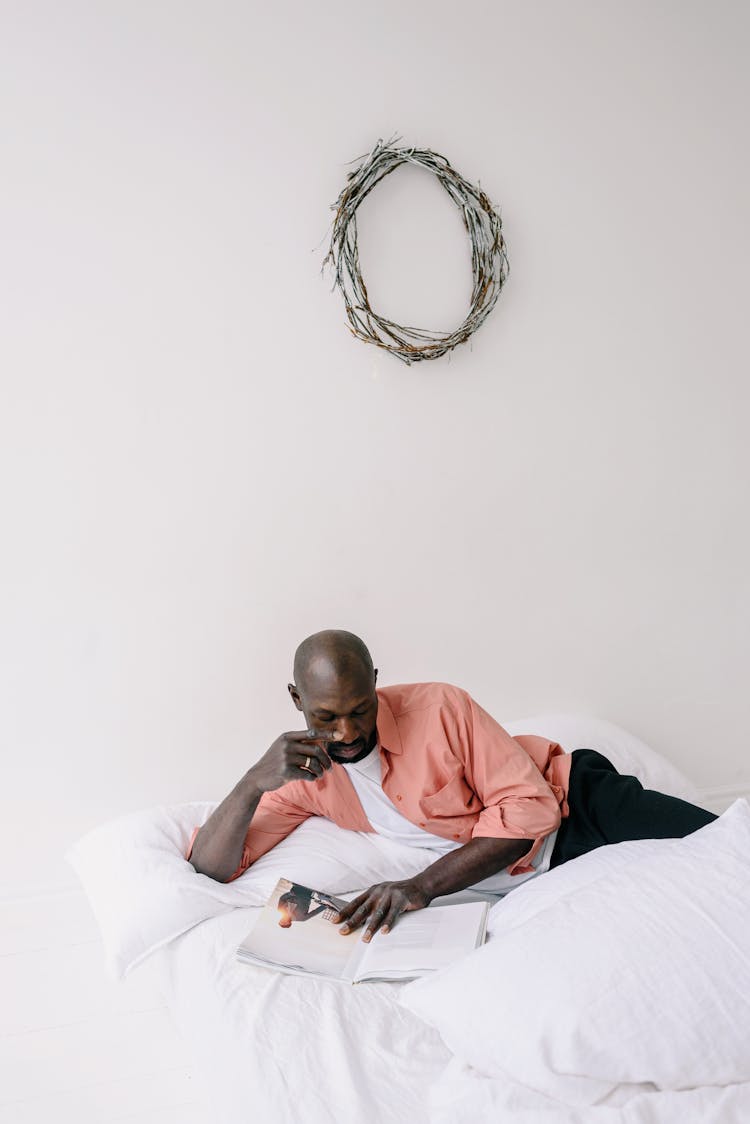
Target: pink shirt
x=448, y=766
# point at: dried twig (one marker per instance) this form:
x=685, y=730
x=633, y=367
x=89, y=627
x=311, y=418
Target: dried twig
x=489, y=261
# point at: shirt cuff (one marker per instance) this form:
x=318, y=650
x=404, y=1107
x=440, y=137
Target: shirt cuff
x=496, y=823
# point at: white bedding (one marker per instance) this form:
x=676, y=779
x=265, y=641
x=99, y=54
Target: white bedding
x=619, y=979
x=460, y=1095
x=274, y=1047
x=282, y=1048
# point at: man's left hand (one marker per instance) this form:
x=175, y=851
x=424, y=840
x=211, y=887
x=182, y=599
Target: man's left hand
x=381, y=905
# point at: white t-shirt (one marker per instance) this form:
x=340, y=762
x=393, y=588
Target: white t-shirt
x=366, y=776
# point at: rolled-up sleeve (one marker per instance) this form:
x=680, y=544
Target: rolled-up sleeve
x=518, y=802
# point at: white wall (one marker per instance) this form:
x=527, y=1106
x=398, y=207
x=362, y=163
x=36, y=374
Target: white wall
x=200, y=465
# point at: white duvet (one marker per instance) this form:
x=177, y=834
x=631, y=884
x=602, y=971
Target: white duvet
x=274, y=1047
x=283, y=1048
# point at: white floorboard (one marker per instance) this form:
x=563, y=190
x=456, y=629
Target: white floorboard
x=53, y=921
x=49, y=987
x=75, y=1045
x=178, y=1114
x=133, y=1099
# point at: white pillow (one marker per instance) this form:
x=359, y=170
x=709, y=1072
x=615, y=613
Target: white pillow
x=144, y=892
x=627, y=753
x=635, y=969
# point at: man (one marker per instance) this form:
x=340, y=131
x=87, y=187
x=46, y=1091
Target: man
x=425, y=764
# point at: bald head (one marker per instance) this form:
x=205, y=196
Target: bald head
x=331, y=654
x=335, y=689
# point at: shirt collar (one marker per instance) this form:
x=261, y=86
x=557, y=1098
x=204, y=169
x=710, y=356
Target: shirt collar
x=388, y=735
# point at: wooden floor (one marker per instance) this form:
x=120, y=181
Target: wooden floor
x=75, y=1046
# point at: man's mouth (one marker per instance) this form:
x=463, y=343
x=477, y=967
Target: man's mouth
x=337, y=749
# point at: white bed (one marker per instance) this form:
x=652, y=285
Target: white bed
x=278, y=1047
x=273, y=1047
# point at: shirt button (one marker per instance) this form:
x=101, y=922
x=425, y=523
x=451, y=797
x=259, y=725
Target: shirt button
x=398, y=797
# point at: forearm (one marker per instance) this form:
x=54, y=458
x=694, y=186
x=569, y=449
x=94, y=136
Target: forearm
x=217, y=849
x=467, y=865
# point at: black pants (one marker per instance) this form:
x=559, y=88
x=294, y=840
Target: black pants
x=608, y=807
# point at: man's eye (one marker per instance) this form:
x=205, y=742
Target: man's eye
x=359, y=713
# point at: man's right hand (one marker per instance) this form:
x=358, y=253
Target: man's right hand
x=296, y=756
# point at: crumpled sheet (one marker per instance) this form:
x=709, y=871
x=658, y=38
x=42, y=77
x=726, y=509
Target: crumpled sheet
x=460, y=1095
x=272, y=1047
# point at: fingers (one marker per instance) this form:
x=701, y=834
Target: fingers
x=311, y=736
x=298, y=755
x=391, y=917
x=333, y=736
x=309, y=759
x=308, y=772
x=371, y=908
x=377, y=917
x=356, y=919
x=345, y=913
x=313, y=761
x=380, y=907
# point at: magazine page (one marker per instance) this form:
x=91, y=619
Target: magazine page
x=295, y=933
x=422, y=941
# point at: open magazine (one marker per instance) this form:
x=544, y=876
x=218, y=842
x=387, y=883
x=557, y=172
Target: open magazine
x=295, y=933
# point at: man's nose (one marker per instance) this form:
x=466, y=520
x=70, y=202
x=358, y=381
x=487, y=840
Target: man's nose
x=346, y=729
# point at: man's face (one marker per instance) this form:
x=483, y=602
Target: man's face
x=346, y=705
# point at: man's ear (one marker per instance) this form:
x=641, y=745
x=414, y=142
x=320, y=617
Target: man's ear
x=295, y=695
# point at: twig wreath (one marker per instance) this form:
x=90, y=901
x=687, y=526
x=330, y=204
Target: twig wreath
x=489, y=261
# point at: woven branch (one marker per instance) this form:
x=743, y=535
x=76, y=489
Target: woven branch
x=489, y=260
